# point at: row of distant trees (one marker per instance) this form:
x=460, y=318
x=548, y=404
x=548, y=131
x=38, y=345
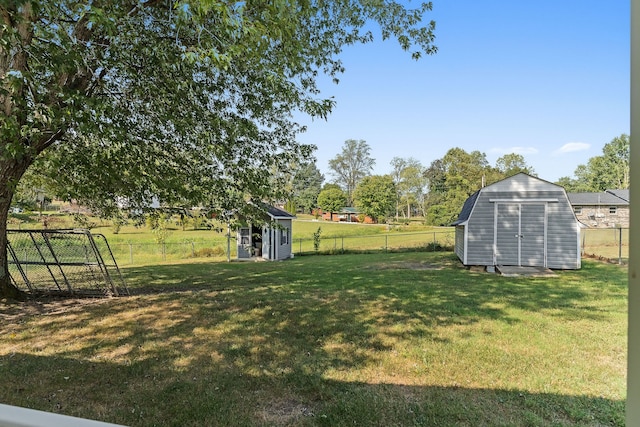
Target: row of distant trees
x=435, y=192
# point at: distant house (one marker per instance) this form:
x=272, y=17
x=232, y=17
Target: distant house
x=608, y=209
x=347, y=214
x=271, y=241
x=519, y=221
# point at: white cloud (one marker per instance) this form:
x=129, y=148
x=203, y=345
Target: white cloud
x=572, y=147
x=515, y=150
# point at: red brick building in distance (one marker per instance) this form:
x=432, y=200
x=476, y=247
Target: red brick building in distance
x=345, y=215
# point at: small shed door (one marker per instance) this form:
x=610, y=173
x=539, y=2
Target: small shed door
x=266, y=243
x=533, y=251
x=244, y=242
x=520, y=234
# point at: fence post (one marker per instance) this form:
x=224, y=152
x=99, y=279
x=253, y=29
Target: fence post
x=335, y=243
x=300, y=253
x=386, y=242
x=193, y=249
x=342, y=244
x=434, y=241
x=130, y=253
x=620, y=246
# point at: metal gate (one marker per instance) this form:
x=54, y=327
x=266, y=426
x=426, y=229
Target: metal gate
x=73, y=262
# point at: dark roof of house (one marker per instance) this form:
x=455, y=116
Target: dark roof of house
x=623, y=194
x=465, y=213
x=597, y=199
x=278, y=213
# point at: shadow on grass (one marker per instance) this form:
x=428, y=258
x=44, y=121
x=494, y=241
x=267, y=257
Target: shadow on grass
x=288, y=344
x=145, y=394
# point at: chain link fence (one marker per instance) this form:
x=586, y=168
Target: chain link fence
x=425, y=241
x=606, y=243
x=216, y=250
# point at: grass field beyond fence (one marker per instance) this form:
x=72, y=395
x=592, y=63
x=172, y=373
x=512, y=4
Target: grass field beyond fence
x=367, y=339
x=609, y=243
x=136, y=246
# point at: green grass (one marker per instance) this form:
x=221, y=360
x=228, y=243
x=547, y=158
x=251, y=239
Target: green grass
x=137, y=245
x=381, y=339
x=605, y=243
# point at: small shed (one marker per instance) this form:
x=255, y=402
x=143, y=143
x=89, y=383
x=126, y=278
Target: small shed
x=271, y=241
x=519, y=221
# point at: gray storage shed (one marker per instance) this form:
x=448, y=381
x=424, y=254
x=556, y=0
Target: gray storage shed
x=271, y=241
x=519, y=221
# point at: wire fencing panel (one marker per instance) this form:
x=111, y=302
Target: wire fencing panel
x=427, y=241
x=157, y=253
x=607, y=243
x=62, y=261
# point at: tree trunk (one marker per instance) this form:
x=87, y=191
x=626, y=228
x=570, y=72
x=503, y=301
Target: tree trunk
x=10, y=173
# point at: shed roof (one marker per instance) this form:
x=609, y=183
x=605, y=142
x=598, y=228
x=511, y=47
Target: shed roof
x=465, y=213
x=277, y=213
x=518, y=182
x=596, y=199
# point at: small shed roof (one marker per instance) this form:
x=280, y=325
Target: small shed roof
x=465, y=213
x=277, y=213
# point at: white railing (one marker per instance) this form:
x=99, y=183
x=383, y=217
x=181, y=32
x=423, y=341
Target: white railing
x=13, y=416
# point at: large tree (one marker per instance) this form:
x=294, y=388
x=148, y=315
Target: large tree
x=608, y=171
x=175, y=100
x=352, y=165
x=454, y=178
x=513, y=163
x=375, y=196
x=332, y=199
x=411, y=182
x=307, y=184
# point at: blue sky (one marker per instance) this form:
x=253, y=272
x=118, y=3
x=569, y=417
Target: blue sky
x=546, y=79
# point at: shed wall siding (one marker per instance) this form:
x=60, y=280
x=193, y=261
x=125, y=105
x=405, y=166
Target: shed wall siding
x=563, y=238
x=284, y=249
x=459, y=246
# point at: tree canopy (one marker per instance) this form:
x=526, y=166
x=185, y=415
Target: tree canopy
x=188, y=100
x=352, y=165
x=332, y=199
x=307, y=184
x=411, y=184
x=511, y=164
x=458, y=175
x=608, y=171
x=375, y=196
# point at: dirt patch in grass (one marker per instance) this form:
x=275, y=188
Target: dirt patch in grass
x=44, y=305
x=415, y=265
x=285, y=412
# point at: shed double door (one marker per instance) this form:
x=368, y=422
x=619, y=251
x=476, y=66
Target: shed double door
x=520, y=234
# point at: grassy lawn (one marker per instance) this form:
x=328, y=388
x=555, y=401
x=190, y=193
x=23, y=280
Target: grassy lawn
x=137, y=245
x=372, y=340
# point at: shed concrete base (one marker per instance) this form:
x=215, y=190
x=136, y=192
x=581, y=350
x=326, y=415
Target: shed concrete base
x=515, y=271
